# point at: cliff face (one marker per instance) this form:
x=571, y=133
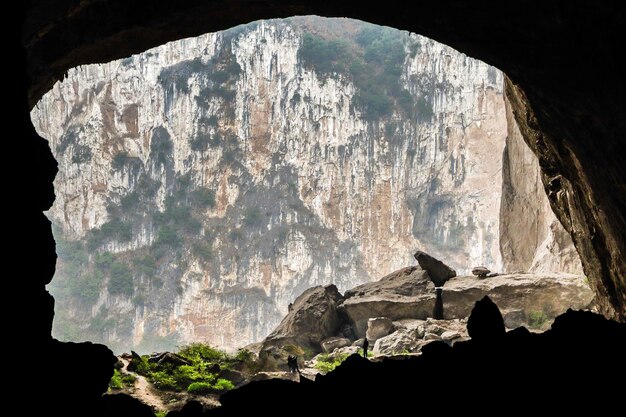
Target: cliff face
x=205, y=183
x=531, y=237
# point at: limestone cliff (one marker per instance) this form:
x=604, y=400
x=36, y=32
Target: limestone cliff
x=205, y=183
x=531, y=237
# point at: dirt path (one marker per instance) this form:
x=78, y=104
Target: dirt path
x=143, y=390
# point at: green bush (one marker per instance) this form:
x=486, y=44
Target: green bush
x=116, y=380
x=113, y=229
x=128, y=380
x=326, y=363
x=145, y=265
x=186, y=374
x=87, y=288
x=536, y=319
x=325, y=56
x=163, y=380
x=223, y=385
x=104, y=260
x=199, y=388
x=167, y=236
x=244, y=355
x=121, y=279
x=200, y=352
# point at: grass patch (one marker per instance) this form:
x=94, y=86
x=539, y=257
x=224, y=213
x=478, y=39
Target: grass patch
x=326, y=363
x=536, y=319
x=200, y=375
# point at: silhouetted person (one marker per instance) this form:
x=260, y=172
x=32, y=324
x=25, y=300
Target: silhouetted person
x=485, y=322
x=438, y=310
x=292, y=362
x=366, y=344
x=290, y=307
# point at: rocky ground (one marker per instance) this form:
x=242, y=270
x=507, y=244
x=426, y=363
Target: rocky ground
x=395, y=315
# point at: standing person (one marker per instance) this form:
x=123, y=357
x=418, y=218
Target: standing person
x=366, y=344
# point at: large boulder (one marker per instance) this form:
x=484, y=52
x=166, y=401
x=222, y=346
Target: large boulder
x=481, y=271
x=406, y=293
x=399, y=342
x=378, y=327
x=532, y=297
x=312, y=318
x=332, y=343
x=438, y=271
x=485, y=323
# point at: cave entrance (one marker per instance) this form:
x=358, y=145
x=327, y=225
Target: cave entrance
x=206, y=183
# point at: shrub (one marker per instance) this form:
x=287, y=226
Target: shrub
x=104, y=260
x=87, y=288
x=326, y=363
x=128, y=379
x=113, y=229
x=145, y=265
x=116, y=380
x=244, y=355
x=163, y=380
x=199, y=388
x=223, y=385
x=186, y=374
x=167, y=236
x=536, y=319
x=142, y=367
x=200, y=352
x=121, y=280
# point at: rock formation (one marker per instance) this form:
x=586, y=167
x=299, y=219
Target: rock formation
x=480, y=271
x=395, y=313
x=378, y=327
x=486, y=322
x=438, y=272
x=407, y=293
x=531, y=237
x=314, y=318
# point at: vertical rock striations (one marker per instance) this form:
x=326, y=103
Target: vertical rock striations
x=531, y=237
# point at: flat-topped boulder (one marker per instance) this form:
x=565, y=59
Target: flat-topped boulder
x=406, y=293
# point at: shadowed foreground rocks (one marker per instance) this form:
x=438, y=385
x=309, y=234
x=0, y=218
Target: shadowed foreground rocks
x=494, y=372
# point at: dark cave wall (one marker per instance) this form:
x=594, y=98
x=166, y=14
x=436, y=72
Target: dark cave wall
x=577, y=179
